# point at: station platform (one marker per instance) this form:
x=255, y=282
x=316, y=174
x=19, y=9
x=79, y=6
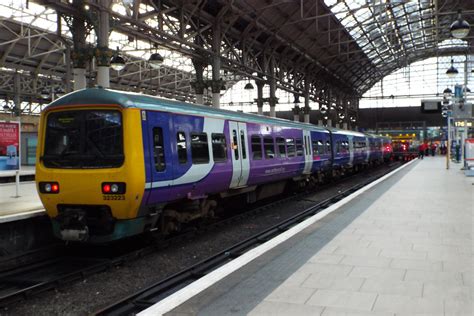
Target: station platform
x=401, y=247
x=26, y=205
x=24, y=171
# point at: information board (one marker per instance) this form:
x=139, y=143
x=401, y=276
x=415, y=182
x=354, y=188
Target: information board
x=9, y=145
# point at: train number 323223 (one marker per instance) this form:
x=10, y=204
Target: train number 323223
x=114, y=197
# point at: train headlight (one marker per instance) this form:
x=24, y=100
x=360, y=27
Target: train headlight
x=113, y=188
x=49, y=187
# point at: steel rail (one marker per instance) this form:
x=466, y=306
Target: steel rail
x=152, y=294
x=65, y=265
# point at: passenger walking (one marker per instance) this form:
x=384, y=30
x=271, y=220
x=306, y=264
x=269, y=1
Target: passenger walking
x=433, y=149
x=421, y=150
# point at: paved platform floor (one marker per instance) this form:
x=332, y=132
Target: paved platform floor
x=403, y=247
x=25, y=170
x=26, y=205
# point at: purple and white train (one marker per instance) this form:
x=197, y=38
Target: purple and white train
x=115, y=164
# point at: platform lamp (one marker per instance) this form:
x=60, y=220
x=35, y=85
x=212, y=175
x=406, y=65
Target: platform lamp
x=117, y=62
x=460, y=28
x=44, y=94
x=452, y=71
x=155, y=60
x=248, y=86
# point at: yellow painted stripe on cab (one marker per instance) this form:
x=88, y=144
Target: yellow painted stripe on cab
x=84, y=186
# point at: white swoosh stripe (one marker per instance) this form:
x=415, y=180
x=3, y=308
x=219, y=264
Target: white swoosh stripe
x=197, y=171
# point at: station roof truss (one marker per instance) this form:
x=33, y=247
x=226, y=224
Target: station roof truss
x=340, y=49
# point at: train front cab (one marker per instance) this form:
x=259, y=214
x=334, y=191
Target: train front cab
x=90, y=174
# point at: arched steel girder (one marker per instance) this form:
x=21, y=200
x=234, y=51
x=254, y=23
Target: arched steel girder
x=137, y=28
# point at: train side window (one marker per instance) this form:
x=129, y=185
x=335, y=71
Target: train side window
x=158, y=149
x=242, y=141
x=299, y=147
x=290, y=147
x=256, y=147
x=182, y=148
x=281, y=147
x=219, y=152
x=269, y=147
x=315, y=148
x=235, y=145
x=328, y=147
x=199, y=148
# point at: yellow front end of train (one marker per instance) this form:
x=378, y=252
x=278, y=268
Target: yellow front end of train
x=90, y=173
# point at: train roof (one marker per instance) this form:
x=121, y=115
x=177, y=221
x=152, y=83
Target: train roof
x=346, y=132
x=125, y=99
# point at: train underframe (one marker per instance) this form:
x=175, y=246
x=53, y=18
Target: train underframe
x=96, y=223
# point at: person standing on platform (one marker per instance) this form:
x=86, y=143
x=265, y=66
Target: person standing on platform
x=421, y=150
x=433, y=149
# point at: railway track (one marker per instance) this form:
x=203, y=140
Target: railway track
x=66, y=264
x=150, y=295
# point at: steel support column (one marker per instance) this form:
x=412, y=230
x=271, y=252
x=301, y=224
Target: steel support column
x=103, y=54
x=260, y=84
x=296, y=113
x=216, y=65
x=17, y=95
x=199, y=85
x=272, y=100
x=306, y=109
x=80, y=55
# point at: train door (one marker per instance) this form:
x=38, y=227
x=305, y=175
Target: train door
x=158, y=138
x=308, y=152
x=240, y=155
x=367, y=149
x=351, y=149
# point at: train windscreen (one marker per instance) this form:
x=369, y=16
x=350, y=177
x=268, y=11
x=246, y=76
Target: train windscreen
x=84, y=139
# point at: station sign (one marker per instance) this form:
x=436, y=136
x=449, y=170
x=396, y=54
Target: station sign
x=462, y=111
x=430, y=106
x=9, y=145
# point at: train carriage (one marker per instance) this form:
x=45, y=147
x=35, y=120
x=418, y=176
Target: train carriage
x=115, y=164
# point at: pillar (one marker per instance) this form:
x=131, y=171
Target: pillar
x=329, y=124
x=306, y=109
x=79, y=76
x=80, y=55
x=217, y=83
x=17, y=97
x=272, y=100
x=103, y=53
x=320, y=122
x=259, y=100
x=296, y=113
x=199, y=85
x=344, y=125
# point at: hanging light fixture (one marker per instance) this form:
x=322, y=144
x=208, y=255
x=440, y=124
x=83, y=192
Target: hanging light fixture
x=117, y=62
x=296, y=99
x=460, y=27
x=44, y=94
x=248, y=86
x=59, y=92
x=447, y=93
x=452, y=71
x=155, y=60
